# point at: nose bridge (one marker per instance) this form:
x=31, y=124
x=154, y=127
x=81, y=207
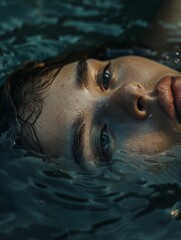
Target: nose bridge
x=131, y=97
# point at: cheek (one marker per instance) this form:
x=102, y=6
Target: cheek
x=148, y=143
x=143, y=138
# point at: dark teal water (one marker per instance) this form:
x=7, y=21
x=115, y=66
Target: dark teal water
x=133, y=200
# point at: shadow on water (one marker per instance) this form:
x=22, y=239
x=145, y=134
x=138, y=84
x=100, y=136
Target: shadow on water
x=131, y=199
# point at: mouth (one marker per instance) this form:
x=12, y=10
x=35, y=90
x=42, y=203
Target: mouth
x=168, y=90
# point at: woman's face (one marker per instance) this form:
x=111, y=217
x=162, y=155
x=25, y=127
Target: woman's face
x=95, y=108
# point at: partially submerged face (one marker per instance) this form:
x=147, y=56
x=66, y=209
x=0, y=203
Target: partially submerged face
x=94, y=108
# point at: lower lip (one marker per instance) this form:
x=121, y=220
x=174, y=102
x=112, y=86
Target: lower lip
x=169, y=96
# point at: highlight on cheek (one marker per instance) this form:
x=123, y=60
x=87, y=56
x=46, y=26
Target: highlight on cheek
x=148, y=143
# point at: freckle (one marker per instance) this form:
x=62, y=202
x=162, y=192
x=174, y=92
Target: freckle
x=62, y=85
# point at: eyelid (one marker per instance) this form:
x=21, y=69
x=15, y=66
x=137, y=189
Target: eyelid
x=100, y=73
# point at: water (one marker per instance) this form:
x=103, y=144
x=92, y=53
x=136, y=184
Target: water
x=133, y=199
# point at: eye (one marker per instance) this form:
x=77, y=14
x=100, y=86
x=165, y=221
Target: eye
x=105, y=141
x=106, y=77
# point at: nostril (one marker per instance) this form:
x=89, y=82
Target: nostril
x=141, y=108
x=140, y=104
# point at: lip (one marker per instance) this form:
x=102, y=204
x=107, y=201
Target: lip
x=168, y=91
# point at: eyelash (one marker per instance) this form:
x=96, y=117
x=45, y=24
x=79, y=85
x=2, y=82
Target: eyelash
x=104, y=86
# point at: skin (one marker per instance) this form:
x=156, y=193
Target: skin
x=141, y=127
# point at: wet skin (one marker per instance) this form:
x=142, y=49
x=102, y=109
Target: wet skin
x=94, y=109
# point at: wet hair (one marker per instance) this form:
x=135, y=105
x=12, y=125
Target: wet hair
x=21, y=99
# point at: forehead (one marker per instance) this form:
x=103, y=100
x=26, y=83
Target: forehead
x=63, y=101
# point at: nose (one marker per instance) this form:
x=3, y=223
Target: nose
x=133, y=99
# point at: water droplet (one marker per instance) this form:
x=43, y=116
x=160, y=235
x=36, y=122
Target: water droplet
x=175, y=213
x=177, y=60
x=177, y=53
x=151, y=115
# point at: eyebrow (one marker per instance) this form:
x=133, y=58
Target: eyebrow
x=81, y=73
x=77, y=147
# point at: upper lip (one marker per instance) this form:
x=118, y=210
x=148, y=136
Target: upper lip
x=168, y=90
